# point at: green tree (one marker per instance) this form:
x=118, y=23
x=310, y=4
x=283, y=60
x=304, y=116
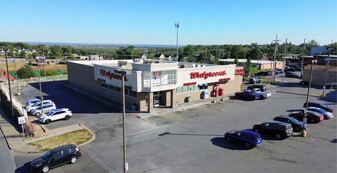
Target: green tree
x=25, y=72
x=56, y=52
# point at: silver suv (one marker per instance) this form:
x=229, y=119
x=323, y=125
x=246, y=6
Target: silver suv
x=46, y=108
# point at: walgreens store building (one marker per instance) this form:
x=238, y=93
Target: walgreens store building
x=155, y=84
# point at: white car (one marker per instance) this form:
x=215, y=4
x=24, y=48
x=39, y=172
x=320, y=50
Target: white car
x=37, y=104
x=32, y=101
x=46, y=108
x=326, y=114
x=57, y=114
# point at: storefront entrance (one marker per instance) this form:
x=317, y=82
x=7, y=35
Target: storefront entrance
x=157, y=99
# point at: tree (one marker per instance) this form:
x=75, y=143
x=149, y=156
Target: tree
x=56, y=52
x=25, y=72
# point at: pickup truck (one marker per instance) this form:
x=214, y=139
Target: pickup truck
x=253, y=94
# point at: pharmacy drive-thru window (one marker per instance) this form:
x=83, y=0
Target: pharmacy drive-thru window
x=150, y=85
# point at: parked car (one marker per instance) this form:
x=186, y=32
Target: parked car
x=304, y=83
x=319, y=105
x=331, y=85
x=248, y=138
x=253, y=94
x=46, y=108
x=32, y=101
x=262, y=87
x=37, y=104
x=254, y=80
x=291, y=74
x=326, y=114
x=279, y=71
x=297, y=125
x=56, y=157
x=289, y=69
x=312, y=117
x=275, y=128
x=56, y=114
x=262, y=73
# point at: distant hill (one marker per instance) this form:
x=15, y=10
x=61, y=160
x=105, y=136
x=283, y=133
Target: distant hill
x=104, y=45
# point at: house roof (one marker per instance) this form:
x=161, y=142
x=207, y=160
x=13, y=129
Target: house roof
x=10, y=77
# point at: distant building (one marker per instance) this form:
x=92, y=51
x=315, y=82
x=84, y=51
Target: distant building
x=259, y=64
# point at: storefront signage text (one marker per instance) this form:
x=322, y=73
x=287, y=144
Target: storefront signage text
x=206, y=75
x=111, y=75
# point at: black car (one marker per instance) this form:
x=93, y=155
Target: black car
x=298, y=126
x=291, y=74
x=56, y=157
x=261, y=87
x=254, y=80
x=277, y=128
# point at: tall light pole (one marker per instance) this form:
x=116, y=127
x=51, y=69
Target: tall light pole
x=284, y=59
x=9, y=84
x=326, y=71
x=123, y=74
x=274, y=63
x=177, y=26
x=41, y=97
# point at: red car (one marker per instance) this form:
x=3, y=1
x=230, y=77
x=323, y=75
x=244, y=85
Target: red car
x=312, y=117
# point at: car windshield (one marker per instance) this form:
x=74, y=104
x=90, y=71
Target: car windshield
x=47, y=155
x=294, y=120
x=323, y=105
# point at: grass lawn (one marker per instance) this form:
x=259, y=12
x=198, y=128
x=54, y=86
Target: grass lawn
x=76, y=137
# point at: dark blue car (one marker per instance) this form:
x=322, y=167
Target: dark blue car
x=248, y=138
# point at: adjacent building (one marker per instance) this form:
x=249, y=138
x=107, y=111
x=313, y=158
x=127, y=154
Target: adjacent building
x=155, y=84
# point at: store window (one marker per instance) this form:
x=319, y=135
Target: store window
x=159, y=78
x=191, y=88
x=128, y=91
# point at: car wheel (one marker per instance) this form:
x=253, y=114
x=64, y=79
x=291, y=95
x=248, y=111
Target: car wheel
x=278, y=136
x=247, y=145
x=45, y=168
x=67, y=117
x=256, y=130
x=38, y=114
x=73, y=160
x=228, y=139
x=47, y=121
x=261, y=97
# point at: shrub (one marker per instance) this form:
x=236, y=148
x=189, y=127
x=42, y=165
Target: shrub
x=25, y=72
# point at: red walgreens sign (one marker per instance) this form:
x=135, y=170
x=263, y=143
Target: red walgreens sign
x=206, y=75
x=111, y=75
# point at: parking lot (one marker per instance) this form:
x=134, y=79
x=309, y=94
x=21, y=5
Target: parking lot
x=192, y=141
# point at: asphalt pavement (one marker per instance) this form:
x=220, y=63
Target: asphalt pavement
x=7, y=163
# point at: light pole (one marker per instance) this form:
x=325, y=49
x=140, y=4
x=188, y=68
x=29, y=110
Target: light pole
x=284, y=59
x=123, y=74
x=177, y=26
x=9, y=84
x=274, y=60
x=326, y=71
x=41, y=98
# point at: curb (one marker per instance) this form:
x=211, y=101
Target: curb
x=9, y=147
x=93, y=135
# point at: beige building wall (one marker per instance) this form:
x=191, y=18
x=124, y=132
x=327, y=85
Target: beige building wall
x=318, y=74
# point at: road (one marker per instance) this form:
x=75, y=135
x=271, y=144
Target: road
x=7, y=163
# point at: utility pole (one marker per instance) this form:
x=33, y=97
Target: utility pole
x=302, y=58
x=177, y=26
x=284, y=58
x=274, y=60
x=326, y=71
x=9, y=84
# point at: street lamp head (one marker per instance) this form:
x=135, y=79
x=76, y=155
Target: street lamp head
x=177, y=25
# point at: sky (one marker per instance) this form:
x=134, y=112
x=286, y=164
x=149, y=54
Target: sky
x=201, y=22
